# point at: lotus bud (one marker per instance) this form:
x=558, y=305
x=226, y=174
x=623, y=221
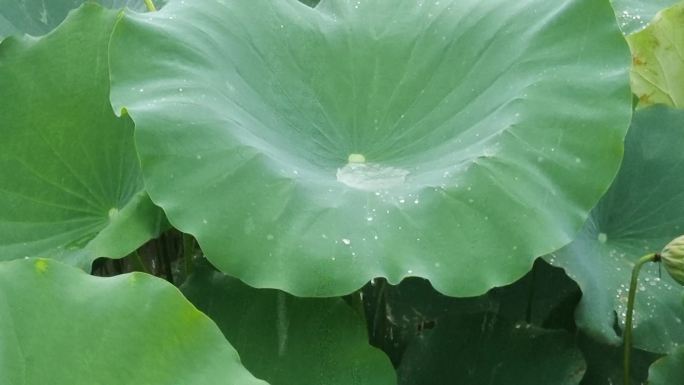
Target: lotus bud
x=673, y=259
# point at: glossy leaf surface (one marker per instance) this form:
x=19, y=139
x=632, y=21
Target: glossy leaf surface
x=643, y=211
x=60, y=326
x=658, y=64
x=668, y=370
x=70, y=182
x=288, y=340
x=310, y=150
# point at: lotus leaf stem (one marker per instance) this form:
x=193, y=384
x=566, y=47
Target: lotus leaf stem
x=627, y=342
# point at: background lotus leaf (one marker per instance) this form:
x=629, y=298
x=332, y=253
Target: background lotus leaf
x=657, y=64
x=484, y=349
x=642, y=211
x=404, y=316
x=396, y=315
x=668, y=370
x=480, y=133
x=60, y=326
x=605, y=363
x=70, y=182
x=288, y=340
x=38, y=17
x=634, y=15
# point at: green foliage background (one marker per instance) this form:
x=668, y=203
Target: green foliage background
x=344, y=192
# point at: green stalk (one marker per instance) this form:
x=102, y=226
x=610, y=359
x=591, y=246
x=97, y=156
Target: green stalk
x=150, y=5
x=188, y=252
x=630, y=310
x=141, y=262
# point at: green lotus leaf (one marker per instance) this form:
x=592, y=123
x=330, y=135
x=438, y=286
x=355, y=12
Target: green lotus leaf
x=311, y=149
x=484, y=340
x=288, y=340
x=657, y=62
x=483, y=349
x=634, y=15
x=399, y=315
x=668, y=370
x=62, y=326
x=38, y=17
x=70, y=181
x=641, y=213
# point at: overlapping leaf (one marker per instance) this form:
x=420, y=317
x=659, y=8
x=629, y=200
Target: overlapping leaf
x=643, y=211
x=486, y=130
x=405, y=315
x=634, y=15
x=486, y=340
x=60, y=326
x=38, y=17
x=658, y=60
x=70, y=182
x=483, y=349
x=605, y=363
x=668, y=370
x=288, y=340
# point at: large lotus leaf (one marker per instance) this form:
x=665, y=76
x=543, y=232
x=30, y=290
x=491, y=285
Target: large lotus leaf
x=642, y=211
x=38, y=17
x=634, y=15
x=658, y=64
x=61, y=326
x=311, y=149
x=483, y=349
x=70, y=182
x=668, y=370
x=288, y=340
